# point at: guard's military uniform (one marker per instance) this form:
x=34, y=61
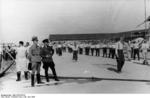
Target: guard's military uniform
x=34, y=53
x=46, y=54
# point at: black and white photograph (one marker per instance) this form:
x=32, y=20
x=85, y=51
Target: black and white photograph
x=74, y=47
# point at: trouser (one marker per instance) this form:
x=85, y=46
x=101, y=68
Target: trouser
x=120, y=60
x=132, y=53
x=104, y=52
x=92, y=51
x=46, y=66
x=129, y=55
x=145, y=57
x=59, y=51
x=64, y=49
x=80, y=51
x=0, y=61
x=136, y=52
x=36, y=67
x=110, y=52
x=56, y=50
x=113, y=53
x=86, y=51
x=75, y=55
x=97, y=51
x=19, y=75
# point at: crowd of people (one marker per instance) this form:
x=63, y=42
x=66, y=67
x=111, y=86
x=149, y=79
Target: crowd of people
x=29, y=58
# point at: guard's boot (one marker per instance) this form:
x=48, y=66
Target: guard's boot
x=18, y=76
x=39, y=79
x=32, y=80
x=47, y=78
x=56, y=78
x=55, y=75
x=26, y=75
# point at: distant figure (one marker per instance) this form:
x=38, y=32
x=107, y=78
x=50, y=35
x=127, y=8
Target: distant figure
x=75, y=51
x=92, y=49
x=21, y=60
x=81, y=49
x=128, y=50
x=97, y=47
x=145, y=47
x=136, y=50
x=104, y=50
x=59, y=47
x=119, y=55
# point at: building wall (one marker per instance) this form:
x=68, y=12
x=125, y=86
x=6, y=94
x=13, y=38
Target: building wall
x=98, y=36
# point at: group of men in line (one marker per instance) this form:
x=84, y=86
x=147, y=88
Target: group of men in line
x=126, y=50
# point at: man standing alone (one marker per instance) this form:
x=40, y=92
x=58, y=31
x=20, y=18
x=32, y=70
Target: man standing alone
x=119, y=55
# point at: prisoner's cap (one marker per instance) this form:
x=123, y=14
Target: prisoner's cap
x=34, y=38
x=45, y=41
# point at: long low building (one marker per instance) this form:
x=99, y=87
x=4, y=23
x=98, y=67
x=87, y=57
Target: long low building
x=99, y=36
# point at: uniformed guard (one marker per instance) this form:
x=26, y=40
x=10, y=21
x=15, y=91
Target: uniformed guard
x=119, y=55
x=34, y=53
x=46, y=54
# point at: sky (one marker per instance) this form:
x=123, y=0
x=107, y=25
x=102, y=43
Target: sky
x=22, y=19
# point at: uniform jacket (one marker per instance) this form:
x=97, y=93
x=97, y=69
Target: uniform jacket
x=34, y=53
x=47, y=53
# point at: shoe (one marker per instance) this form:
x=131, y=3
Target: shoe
x=118, y=71
x=39, y=79
x=56, y=79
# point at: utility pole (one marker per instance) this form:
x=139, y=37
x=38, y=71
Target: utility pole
x=145, y=18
